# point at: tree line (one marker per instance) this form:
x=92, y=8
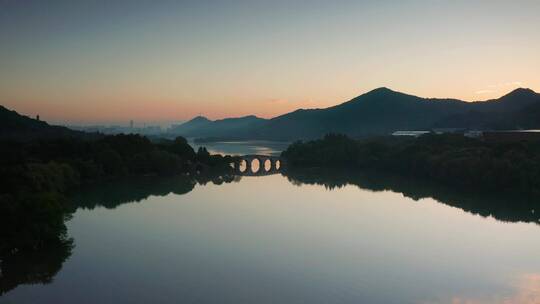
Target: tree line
x=37, y=177
x=453, y=160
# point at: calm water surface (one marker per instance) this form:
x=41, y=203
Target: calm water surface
x=260, y=147
x=275, y=239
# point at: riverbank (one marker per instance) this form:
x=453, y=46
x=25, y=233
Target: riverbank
x=38, y=175
x=452, y=160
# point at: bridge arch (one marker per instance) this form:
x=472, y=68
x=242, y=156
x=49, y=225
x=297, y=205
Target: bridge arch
x=267, y=165
x=258, y=165
x=241, y=166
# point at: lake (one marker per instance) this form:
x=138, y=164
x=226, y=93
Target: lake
x=299, y=237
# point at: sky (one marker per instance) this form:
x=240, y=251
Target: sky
x=114, y=61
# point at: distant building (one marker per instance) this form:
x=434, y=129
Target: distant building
x=449, y=131
x=410, y=133
x=473, y=134
x=510, y=135
x=37, y=117
x=484, y=135
x=131, y=124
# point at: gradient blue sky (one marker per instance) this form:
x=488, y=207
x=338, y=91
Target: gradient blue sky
x=105, y=61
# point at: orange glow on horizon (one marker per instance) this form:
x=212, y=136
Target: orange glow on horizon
x=119, y=110
x=174, y=60
x=527, y=291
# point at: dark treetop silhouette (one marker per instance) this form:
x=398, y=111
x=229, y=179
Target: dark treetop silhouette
x=38, y=175
x=453, y=160
x=41, y=164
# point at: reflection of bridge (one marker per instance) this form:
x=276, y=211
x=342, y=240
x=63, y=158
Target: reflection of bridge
x=267, y=165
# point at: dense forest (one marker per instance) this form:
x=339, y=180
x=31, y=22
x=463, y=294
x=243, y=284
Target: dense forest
x=38, y=176
x=452, y=160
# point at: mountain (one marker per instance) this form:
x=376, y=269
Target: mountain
x=379, y=112
x=513, y=101
x=193, y=125
x=14, y=126
x=515, y=110
x=203, y=127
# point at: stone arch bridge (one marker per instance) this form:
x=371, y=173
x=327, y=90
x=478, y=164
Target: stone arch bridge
x=268, y=165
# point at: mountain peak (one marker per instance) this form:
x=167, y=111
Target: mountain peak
x=381, y=90
x=200, y=118
x=383, y=93
x=522, y=91
x=521, y=94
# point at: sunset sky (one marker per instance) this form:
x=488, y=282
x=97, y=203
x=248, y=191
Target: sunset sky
x=113, y=61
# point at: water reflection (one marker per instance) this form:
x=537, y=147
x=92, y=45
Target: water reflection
x=507, y=209
x=42, y=266
x=261, y=147
x=132, y=190
x=114, y=193
x=35, y=267
x=527, y=291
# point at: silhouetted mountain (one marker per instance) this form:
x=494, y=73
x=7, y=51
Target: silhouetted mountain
x=383, y=111
x=513, y=101
x=203, y=127
x=380, y=111
x=515, y=110
x=14, y=126
x=196, y=123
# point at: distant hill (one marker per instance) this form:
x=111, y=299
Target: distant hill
x=515, y=110
x=379, y=112
x=14, y=126
x=203, y=127
x=199, y=122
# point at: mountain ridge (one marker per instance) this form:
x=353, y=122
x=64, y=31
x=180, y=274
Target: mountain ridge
x=382, y=111
x=201, y=126
x=378, y=112
x=17, y=127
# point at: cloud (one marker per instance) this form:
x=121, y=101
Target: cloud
x=279, y=101
x=479, y=92
x=496, y=88
x=296, y=103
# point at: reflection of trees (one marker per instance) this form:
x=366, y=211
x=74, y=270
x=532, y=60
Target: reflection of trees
x=33, y=239
x=216, y=177
x=511, y=209
x=114, y=193
x=25, y=258
x=33, y=267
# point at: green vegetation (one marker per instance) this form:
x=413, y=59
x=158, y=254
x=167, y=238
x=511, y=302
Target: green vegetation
x=452, y=160
x=38, y=175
